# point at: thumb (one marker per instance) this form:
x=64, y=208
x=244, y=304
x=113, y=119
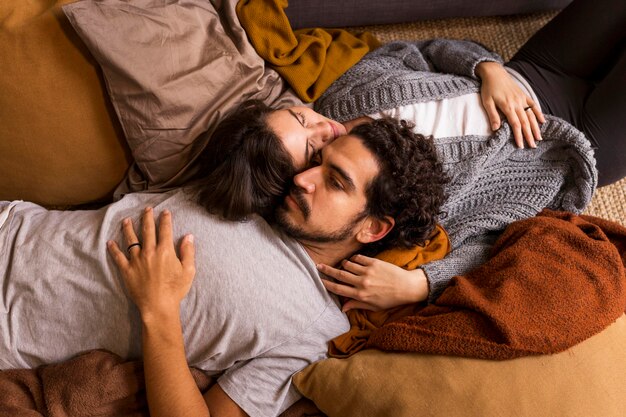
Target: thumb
x=188, y=255
x=354, y=304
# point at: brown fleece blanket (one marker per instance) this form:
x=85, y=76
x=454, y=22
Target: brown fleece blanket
x=553, y=281
x=97, y=383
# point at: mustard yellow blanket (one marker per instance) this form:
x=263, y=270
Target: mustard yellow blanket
x=308, y=59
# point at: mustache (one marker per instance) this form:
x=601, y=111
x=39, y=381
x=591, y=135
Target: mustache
x=298, y=195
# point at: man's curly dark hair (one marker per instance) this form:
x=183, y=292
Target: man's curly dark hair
x=410, y=185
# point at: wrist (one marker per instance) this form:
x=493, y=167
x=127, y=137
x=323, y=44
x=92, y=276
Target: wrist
x=160, y=317
x=419, y=290
x=486, y=68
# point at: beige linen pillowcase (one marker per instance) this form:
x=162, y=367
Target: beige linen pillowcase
x=586, y=380
x=172, y=71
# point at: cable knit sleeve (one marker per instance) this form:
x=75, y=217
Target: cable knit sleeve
x=401, y=73
x=494, y=183
x=457, y=57
x=458, y=262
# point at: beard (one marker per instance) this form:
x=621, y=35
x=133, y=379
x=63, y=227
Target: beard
x=301, y=235
x=282, y=220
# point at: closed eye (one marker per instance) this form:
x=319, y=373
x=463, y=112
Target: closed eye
x=316, y=159
x=335, y=183
x=302, y=118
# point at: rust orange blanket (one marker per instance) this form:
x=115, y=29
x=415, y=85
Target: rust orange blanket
x=553, y=281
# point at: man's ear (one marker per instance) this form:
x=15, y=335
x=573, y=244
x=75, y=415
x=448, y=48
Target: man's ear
x=373, y=229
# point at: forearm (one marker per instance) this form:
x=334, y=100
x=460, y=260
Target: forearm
x=170, y=387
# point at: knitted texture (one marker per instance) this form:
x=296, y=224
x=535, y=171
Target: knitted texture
x=399, y=73
x=493, y=182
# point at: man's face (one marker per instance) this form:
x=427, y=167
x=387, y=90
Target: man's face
x=327, y=202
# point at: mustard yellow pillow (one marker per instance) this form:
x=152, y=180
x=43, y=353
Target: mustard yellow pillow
x=59, y=144
x=587, y=380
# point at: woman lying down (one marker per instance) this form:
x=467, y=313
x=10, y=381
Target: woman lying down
x=460, y=93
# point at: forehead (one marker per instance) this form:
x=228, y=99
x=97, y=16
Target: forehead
x=349, y=154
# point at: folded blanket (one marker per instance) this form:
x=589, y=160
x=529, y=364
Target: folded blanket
x=363, y=322
x=308, y=59
x=553, y=281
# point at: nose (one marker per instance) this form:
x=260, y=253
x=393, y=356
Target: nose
x=306, y=180
x=322, y=134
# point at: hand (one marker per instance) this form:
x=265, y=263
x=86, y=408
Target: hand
x=156, y=279
x=500, y=91
x=374, y=284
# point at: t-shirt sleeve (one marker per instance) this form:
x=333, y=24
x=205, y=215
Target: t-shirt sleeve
x=262, y=385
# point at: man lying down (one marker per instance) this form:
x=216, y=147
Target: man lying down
x=256, y=311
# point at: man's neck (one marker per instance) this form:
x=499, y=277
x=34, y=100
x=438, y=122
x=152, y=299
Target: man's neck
x=330, y=253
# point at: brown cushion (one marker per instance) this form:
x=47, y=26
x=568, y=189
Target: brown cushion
x=58, y=143
x=586, y=380
x=172, y=72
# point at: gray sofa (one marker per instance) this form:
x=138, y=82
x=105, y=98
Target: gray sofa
x=339, y=13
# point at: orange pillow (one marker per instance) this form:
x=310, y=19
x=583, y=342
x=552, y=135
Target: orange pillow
x=585, y=380
x=60, y=143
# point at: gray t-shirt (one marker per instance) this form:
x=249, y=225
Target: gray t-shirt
x=257, y=311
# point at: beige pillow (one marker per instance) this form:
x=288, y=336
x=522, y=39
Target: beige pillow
x=58, y=143
x=588, y=379
x=172, y=72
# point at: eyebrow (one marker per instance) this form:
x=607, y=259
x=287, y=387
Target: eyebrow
x=306, y=148
x=343, y=174
x=295, y=116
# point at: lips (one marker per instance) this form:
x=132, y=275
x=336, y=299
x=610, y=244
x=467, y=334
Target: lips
x=291, y=201
x=335, y=130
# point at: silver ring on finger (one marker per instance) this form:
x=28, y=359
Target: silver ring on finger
x=529, y=107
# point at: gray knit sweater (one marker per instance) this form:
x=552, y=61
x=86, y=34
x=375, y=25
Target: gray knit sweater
x=493, y=182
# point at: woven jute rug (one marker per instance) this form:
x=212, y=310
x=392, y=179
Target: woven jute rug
x=505, y=35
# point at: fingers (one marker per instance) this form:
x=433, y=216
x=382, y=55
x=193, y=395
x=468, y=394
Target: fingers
x=524, y=129
x=537, y=112
x=534, y=124
x=492, y=114
x=363, y=260
x=339, y=289
x=188, y=255
x=118, y=256
x=165, y=229
x=147, y=228
x=353, y=267
x=525, y=124
x=352, y=304
x=129, y=235
x=343, y=276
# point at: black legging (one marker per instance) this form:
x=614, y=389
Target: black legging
x=576, y=65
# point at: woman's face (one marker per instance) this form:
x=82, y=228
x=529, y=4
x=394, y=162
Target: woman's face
x=303, y=132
